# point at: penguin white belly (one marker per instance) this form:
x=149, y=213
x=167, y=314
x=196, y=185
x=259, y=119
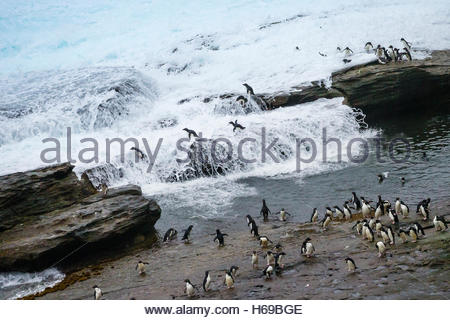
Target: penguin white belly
x=254, y=260
x=397, y=207
x=351, y=266
x=98, y=293
x=283, y=216
x=309, y=249
x=189, y=290
x=405, y=211
x=208, y=282
x=385, y=237
x=229, y=281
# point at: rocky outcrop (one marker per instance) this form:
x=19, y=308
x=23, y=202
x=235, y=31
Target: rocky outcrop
x=60, y=214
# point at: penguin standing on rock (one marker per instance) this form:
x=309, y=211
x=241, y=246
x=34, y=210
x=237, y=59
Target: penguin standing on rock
x=279, y=260
x=326, y=221
x=393, y=217
x=229, y=280
x=368, y=47
x=423, y=208
x=249, y=220
x=402, y=234
x=419, y=229
x=381, y=249
x=97, y=292
x=187, y=234
x=307, y=248
x=347, y=211
x=190, y=290
x=220, y=237
x=339, y=212
x=170, y=234
x=390, y=235
x=315, y=215
x=348, y=52
x=351, y=266
x=265, y=211
x=439, y=223
x=404, y=209
x=140, y=267
x=356, y=202
x=249, y=89
x=255, y=260
x=206, y=281
x=254, y=229
x=268, y=271
x=264, y=241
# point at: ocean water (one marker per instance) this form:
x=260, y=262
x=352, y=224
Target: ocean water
x=118, y=70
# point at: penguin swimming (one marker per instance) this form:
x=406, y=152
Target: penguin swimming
x=314, y=215
x=407, y=54
x=382, y=176
x=191, y=133
x=206, y=281
x=265, y=211
x=187, y=234
x=406, y=43
x=351, y=266
x=270, y=258
x=236, y=125
x=140, y=267
x=283, y=214
x=356, y=201
x=255, y=260
x=268, y=271
x=254, y=229
x=220, y=238
x=279, y=260
x=404, y=209
x=190, y=290
x=249, y=89
x=139, y=153
x=233, y=270
x=348, y=52
x=368, y=47
x=97, y=292
x=325, y=221
x=307, y=248
x=170, y=235
x=339, y=212
x=241, y=100
x=347, y=211
x=403, y=181
x=419, y=229
x=381, y=248
x=439, y=223
x=264, y=241
x=229, y=280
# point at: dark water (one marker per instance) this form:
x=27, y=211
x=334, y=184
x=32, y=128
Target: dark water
x=425, y=177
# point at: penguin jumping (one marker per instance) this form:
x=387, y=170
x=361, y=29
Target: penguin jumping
x=249, y=89
x=191, y=133
x=406, y=43
x=220, y=238
x=236, y=125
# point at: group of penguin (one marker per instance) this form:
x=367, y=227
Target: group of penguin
x=383, y=55
x=274, y=256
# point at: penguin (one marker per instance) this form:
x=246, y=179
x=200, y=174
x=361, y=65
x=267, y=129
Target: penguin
x=241, y=100
x=351, y=265
x=368, y=47
x=413, y=234
x=404, y=209
x=236, y=125
x=255, y=260
x=325, y=221
x=190, y=290
x=403, y=181
x=381, y=248
x=402, y=234
x=391, y=52
x=384, y=235
x=249, y=220
x=170, y=234
x=307, y=248
x=348, y=52
x=365, y=225
x=140, y=267
x=254, y=229
x=387, y=205
x=398, y=206
x=279, y=260
x=391, y=236
x=283, y=214
x=206, y=281
x=393, y=217
x=329, y=212
x=139, y=153
x=268, y=271
x=278, y=247
x=347, y=211
x=249, y=89
x=423, y=208
x=356, y=201
x=97, y=292
x=386, y=55
x=366, y=209
x=439, y=223
x=338, y=49
x=379, y=211
x=407, y=54
x=265, y=211
x=229, y=280
x=233, y=270
x=187, y=234
x=339, y=212
x=379, y=52
x=346, y=61
x=105, y=190
x=372, y=223
x=191, y=133
x=406, y=43
x=378, y=227
x=314, y=215
x=419, y=229
x=369, y=233
x=219, y=237
x=264, y=241
x=270, y=258
x=398, y=56
x=359, y=227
